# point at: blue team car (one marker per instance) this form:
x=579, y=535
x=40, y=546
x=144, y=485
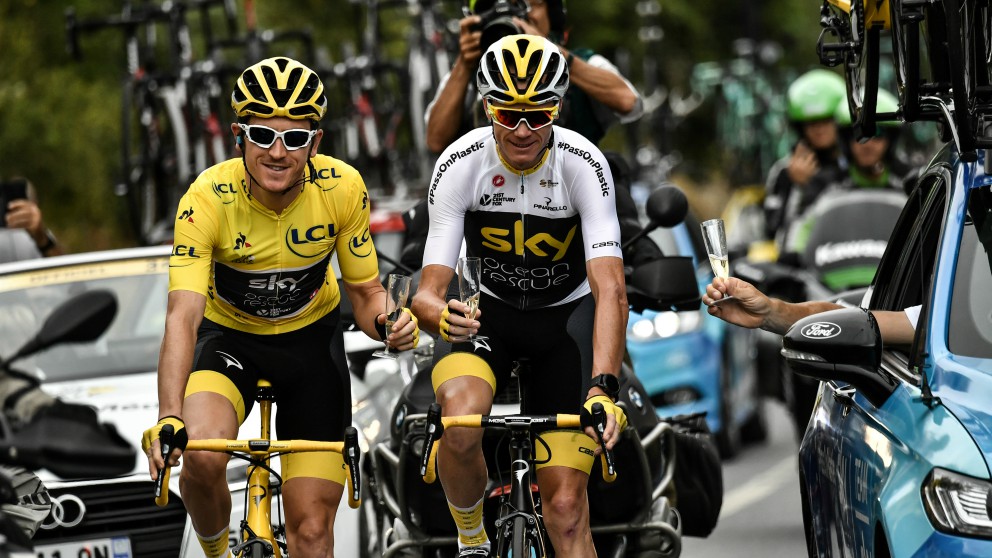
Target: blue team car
x=895, y=459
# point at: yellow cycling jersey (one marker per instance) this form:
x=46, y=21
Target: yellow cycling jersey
x=266, y=273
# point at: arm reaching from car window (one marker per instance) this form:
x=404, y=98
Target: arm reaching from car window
x=753, y=309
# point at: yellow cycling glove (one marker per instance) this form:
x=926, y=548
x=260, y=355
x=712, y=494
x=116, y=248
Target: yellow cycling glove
x=443, y=326
x=610, y=407
x=179, y=438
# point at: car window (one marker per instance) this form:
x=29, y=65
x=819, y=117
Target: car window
x=970, y=328
x=906, y=269
x=130, y=345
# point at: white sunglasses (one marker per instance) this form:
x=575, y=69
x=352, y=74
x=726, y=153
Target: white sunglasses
x=264, y=137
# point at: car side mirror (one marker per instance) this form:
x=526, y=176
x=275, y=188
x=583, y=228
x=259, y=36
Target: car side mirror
x=840, y=345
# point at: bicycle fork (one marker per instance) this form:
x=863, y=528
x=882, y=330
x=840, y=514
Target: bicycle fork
x=520, y=520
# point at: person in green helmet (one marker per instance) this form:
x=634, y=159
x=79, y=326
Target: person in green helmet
x=816, y=158
x=873, y=163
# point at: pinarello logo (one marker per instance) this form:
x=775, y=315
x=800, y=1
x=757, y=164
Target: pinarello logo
x=498, y=180
x=821, y=330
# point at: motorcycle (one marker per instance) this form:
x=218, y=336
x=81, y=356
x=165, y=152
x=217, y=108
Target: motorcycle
x=846, y=233
x=403, y=516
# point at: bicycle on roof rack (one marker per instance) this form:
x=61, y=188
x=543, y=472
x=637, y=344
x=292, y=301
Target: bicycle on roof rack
x=944, y=78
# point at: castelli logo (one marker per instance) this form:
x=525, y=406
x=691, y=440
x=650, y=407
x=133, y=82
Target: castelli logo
x=498, y=180
x=821, y=330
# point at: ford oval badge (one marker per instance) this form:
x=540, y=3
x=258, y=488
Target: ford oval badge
x=821, y=330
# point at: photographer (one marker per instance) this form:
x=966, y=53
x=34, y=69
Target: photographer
x=23, y=234
x=600, y=96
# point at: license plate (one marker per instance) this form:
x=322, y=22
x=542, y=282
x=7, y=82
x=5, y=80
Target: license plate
x=116, y=547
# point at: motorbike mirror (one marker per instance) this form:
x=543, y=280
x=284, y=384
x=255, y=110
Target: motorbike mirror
x=83, y=317
x=666, y=207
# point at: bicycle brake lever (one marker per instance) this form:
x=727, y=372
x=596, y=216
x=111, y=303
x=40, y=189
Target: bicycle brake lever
x=599, y=424
x=352, y=455
x=165, y=440
x=432, y=433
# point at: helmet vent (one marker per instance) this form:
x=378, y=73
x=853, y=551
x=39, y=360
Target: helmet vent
x=282, y=63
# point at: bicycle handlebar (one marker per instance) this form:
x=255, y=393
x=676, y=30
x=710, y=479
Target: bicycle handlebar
x=348, y=449
x=436, y=424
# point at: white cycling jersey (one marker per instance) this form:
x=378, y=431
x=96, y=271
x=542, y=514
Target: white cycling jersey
x=533, y=229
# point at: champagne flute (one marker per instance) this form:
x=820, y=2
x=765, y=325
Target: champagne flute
x=470, y=290
x=715, y=240
x=397, y=292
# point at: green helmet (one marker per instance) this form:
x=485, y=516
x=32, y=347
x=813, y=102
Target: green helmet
x=886, y=102
x=815, y=95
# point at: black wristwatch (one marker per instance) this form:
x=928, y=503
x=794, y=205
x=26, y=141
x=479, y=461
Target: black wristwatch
x=608, y=383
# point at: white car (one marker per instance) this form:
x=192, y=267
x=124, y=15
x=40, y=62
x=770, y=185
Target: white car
x=117, y=517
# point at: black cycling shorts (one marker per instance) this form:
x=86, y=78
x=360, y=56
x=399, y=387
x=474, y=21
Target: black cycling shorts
x=556, y=341
x=307, y=369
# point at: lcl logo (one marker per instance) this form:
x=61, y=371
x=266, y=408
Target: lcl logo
x=67, y=511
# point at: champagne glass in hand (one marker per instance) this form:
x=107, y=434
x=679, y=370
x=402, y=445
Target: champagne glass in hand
x=397, y=292
x=470, y=290
x=715, y=240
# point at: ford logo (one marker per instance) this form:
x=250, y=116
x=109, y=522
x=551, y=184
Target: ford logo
x=821, y=330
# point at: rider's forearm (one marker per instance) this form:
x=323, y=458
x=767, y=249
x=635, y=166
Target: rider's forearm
x=782, y=315
x=602, y=85
x=445, y=116
x=609, y=329
x=427, y=307
x=174, y=366
x=368, y=301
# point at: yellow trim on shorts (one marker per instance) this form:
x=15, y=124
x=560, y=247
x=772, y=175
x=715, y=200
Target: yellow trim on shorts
x=455, y=365
x=326, y=465
x=215, y=382
x=569, y=448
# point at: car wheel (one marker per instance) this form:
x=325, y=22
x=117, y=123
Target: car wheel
x=728, y=438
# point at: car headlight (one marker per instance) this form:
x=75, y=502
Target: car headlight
x=958, y=504
x=665, y=324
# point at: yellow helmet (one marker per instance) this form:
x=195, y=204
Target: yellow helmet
x=279, y=86
x=522, y=69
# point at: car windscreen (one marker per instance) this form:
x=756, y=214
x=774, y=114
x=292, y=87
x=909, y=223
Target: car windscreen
x=970, y=329
x=131, y=343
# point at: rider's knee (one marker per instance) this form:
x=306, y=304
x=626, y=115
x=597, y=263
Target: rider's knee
x=561, y=509
x=203, y=467
x=311, y=531
x=463, y=442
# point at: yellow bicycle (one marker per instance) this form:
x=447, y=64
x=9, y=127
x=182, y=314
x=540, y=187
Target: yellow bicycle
x=258, y=537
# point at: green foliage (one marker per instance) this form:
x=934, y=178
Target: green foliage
x=60, y=117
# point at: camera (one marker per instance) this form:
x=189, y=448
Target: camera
x=497, y=20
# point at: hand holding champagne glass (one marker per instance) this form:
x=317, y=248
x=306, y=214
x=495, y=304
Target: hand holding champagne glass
x=470, y=290
x=715, y=240
x=397, y=293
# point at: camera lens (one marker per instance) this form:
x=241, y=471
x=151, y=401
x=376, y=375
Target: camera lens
x=496, y=30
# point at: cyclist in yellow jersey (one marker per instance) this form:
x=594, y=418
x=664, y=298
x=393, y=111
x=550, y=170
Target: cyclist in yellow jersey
x=252, y=294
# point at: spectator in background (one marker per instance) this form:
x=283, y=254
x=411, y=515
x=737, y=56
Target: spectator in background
x=816, y=160
x=24, y=235
x=599, y=95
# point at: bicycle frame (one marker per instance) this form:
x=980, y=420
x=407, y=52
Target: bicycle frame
x=520, y=528
x=256, y=527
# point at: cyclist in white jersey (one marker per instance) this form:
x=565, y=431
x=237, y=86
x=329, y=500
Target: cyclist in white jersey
x=535, y=203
